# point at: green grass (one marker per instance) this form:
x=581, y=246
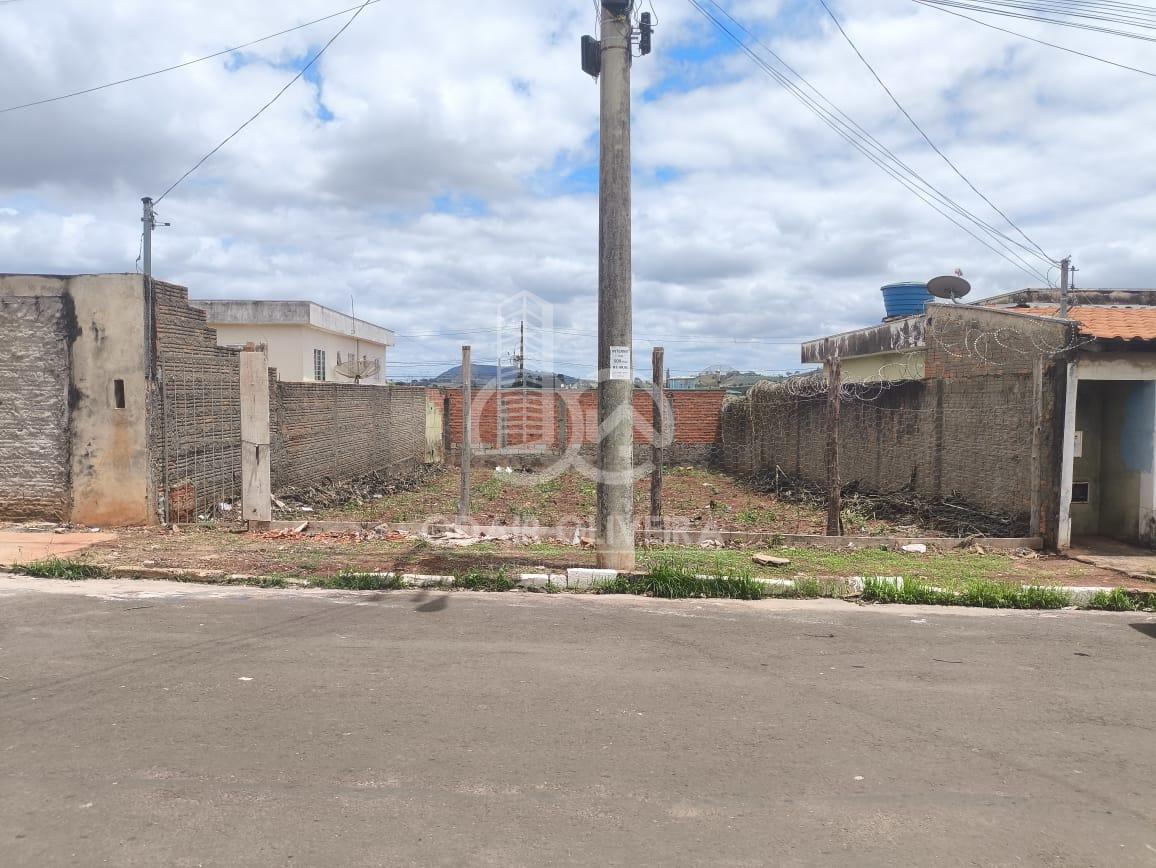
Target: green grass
x=807, y=588
x=1119, y=600
x=974, y=592
x=550, y=486
x=754, y=515
x=60, y=568
x=674, y=581
x=490, y=489
x=495, y=581
x=349, y=580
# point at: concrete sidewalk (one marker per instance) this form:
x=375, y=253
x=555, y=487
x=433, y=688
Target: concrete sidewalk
x=1138, y=564
x=23, y=547
x=147, y=724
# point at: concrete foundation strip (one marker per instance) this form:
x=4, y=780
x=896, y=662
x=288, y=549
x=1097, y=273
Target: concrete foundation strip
x=574, y=579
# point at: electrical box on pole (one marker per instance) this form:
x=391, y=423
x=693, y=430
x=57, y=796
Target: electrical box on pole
x=591, y=56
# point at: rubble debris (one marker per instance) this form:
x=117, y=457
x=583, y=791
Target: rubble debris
x=904, y=508
x=771, y=561
x=915, y=549
x=363, y=489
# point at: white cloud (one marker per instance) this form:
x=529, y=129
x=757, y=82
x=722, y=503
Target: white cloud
x=765, y=226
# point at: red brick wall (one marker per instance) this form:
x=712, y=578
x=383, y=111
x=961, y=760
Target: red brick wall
x=547, y=417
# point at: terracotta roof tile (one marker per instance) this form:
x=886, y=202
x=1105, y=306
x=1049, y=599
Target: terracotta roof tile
x=1109, y=323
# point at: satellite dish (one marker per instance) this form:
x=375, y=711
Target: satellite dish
x=358, y=370
x=950, y=286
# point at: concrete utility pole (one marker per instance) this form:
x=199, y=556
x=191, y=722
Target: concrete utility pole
x=1065, y=270
x=610, y=60
x=467, y=434
x=657, y=451
x=149, y=221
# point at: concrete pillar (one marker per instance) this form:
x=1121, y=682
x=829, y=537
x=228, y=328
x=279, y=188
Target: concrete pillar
x=256, y=482
x=1064, y=537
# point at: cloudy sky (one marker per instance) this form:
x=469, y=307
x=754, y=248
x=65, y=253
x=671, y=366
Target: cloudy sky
x=442, y=156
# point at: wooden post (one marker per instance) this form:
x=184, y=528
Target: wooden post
x=1037, y=447
x=256, y=487
x=835, y=486
x=657, y=455
x=467, y=434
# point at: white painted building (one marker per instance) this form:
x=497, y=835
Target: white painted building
x=307, y=342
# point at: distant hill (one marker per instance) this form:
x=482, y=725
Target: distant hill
x=484, y=375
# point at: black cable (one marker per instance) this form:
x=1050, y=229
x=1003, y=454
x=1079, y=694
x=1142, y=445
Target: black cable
x=1058, y=7
x=926, y=137
x=848, y=128
x=144, y=75
x=855, y=135
x=1074, y=51
x=261, y=110
x=973, y=7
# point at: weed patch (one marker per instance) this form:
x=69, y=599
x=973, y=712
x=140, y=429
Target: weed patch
x=348, y=580
x=674, y=582
x=60, y=568
x=978, y=593
x=476, y=580
x=1119, y=600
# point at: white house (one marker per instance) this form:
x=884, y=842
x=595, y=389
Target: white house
x=307, y=342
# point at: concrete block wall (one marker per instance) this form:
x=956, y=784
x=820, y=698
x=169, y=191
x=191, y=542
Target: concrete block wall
x=34, y=406
x=196, y=424
x=319, y=432
x=330, y=432
x=964, y=341
x=969, y=438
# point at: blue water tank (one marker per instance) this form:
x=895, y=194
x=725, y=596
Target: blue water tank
x=906, y=299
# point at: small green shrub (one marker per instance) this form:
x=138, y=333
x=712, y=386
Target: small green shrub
x=1120, y=600
x=674, y=582
x=978, y=593
x=490, y=489
x=476, y=580
x=61, y=568
x=349, y=580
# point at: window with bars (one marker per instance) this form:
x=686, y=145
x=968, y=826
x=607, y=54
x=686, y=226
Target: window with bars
x=319, y=365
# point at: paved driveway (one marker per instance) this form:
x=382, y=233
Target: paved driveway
x=154, y=724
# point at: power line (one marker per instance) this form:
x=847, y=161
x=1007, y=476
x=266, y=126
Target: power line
x=975, y=7
x=1140, y=17
x=855, y=135
x=1074, y=51
x=261, y=110
x=144, y=75
x=926, y=137
x=879, y=154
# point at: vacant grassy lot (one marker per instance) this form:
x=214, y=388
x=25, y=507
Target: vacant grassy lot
x=696, y=495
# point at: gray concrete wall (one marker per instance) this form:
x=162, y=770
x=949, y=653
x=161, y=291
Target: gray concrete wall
x=968, y=438
x=37, y=323
x=111, y=475
x=68, y=452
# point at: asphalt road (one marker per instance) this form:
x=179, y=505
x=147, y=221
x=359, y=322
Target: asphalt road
x=154, y=724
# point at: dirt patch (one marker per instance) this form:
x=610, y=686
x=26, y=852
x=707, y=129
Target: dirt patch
x=693, y=497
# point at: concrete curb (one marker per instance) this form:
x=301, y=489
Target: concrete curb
x=574, y=579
